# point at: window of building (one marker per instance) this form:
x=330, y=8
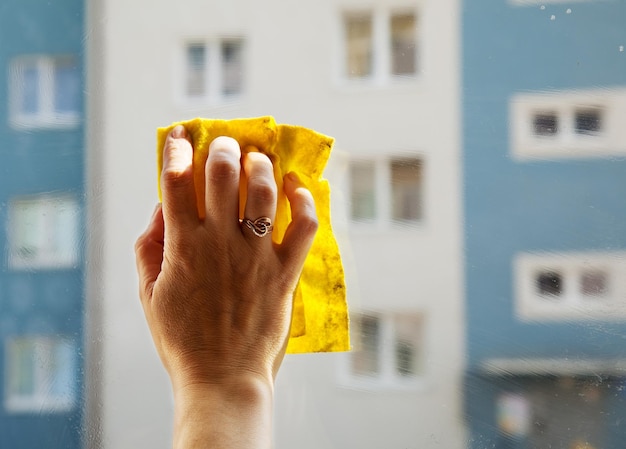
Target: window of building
x=40, y=374
x=549, y=283
x=43, y=232
x=359, y=45
x=387, y=349
x=594, y=283
x=363, y=188
x=232, y=67
x=380, y=46
x=386, y=190
x=403, y=44
x=366, y=360
x=580, y=286
x=588, y=121
x=406, y=195
x=196, y=70
x=44, y=92
x=214, y=70
x=546, y=124
x=568, y=124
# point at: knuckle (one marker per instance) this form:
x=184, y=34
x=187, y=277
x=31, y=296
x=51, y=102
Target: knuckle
x=262, y=190
x=222, y=167
x=175, y=179
x=309, y=223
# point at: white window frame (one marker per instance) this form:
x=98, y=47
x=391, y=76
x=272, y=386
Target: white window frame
x=566, y=144
x=46, y=116
x=381, y=46
x=383, y=217
x=387, y=378
x=571, y=305
x=42, y=399
x=48, y=256
x=213, y=80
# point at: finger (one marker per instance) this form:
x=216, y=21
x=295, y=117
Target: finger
x=179, y=197
x=223, y=169
x=260, y=208
x=149, y=253
x=301, y=231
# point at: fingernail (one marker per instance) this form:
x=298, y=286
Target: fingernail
x=292, y=177
x=179, y=132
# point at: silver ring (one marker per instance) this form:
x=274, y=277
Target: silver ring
x=261, y=227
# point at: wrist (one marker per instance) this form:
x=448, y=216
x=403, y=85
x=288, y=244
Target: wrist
x=232, y=414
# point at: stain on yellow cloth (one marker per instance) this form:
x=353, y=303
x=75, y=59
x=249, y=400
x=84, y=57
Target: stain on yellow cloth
x=320, y=315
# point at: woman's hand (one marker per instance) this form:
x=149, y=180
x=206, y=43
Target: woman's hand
x=216, y=296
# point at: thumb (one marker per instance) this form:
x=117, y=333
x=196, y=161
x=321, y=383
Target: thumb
x=149, y=254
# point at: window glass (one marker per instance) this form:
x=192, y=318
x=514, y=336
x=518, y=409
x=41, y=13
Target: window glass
x=30, y=89
x=42, y=374
x=365, y=360
x=550, y=284
x=44, y=232
x=588, y=121
x=403, y=48
x=359, y=45
x=406, y=180
x=66, y=86
x=363, y=190
x=232, y=67
x=196, y=69
x=546, y=124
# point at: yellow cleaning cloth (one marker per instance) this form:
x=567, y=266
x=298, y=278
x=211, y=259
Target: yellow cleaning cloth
x=320, y=314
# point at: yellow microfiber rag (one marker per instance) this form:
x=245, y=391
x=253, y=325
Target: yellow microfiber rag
x=320, y=313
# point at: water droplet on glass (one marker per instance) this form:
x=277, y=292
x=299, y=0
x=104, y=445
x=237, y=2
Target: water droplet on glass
x=552, y=17
x=568, y=11
x=542, y=7
x=621, y=48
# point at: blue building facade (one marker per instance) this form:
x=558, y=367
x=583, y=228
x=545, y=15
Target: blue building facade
x=41, y=236
x=545, y=223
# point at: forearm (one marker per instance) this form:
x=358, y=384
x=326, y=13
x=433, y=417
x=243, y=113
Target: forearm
x=234, y=416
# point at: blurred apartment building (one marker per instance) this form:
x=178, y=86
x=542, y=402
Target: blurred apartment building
x=382, y=77
x=41, y=211
x=545, y=223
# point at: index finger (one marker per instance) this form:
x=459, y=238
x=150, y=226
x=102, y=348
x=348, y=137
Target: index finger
x=179, y=196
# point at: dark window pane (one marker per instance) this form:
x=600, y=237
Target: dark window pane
x=588, y=121
x=406, y=189
x=365, y=360
x=405, y=358
x=550, y=283
x=546, y=124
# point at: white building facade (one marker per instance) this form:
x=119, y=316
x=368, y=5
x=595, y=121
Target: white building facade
x=382, y=77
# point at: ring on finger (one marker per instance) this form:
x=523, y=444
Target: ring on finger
x=261, y=227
